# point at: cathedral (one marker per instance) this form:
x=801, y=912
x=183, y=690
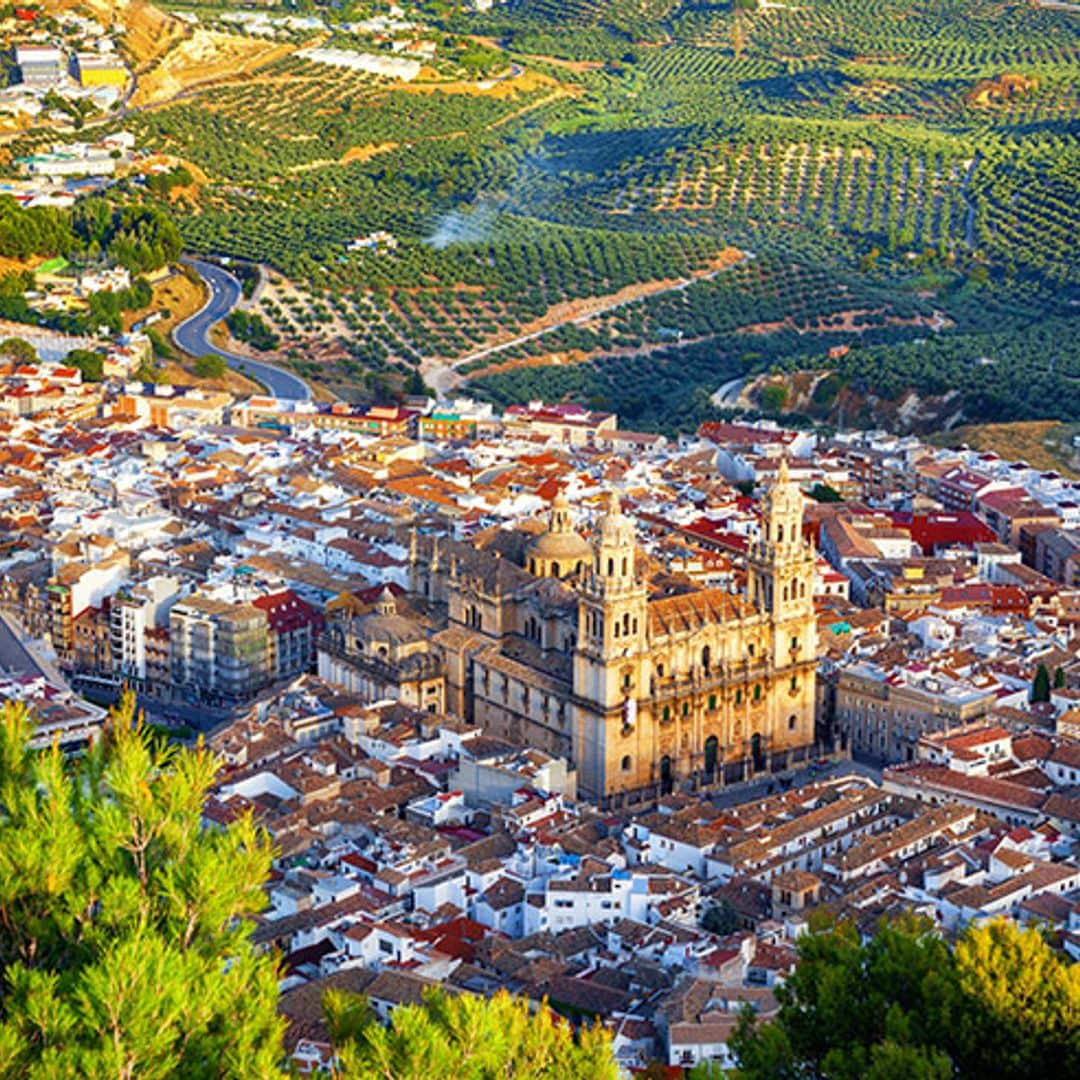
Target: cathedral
x=644, y=681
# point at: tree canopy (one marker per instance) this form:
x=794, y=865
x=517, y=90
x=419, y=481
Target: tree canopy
x=1001, y=1004
x=90, y=363
x=124, y=946
x=464, y=1037
x=19, y=350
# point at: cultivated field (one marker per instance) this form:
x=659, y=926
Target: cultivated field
x=904, y=176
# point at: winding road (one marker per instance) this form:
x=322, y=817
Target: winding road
x=193, y=334
x=728, y=394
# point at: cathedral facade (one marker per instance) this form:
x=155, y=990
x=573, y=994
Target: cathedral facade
x=643, y=681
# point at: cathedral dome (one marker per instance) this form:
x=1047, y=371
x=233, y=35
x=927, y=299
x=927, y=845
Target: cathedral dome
x=549, y=545
x=385, y=625
x=559, y=549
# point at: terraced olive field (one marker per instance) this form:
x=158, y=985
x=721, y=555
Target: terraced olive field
x=904, y=178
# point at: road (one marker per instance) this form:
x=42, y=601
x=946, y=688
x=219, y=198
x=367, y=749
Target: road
x=728, y=394
x=763, y=786
x=22, y=655
x=193, y=334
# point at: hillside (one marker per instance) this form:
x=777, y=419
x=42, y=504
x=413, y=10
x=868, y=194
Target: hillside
x=905, y=181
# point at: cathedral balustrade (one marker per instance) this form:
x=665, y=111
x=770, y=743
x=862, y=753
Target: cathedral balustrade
x=718, y=676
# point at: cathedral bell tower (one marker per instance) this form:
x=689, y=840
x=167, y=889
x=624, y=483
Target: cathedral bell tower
x=780, y=581
x=611, y=615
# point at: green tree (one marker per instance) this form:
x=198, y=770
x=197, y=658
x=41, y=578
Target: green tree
x=1001, y=1004
x=91, y=364
x=19, y=350
x=774, y=397
x=823, y=493
x=464, y=1037
x=124, y=932
x=1040, y=686
x=721, y=918
x=1026, y=1016
x=708, y=1070
x=210, y=366
x=1059, y=672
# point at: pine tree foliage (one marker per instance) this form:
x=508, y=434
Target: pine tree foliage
x=1001, y=1003
x=465, y=1037
x=124, y=945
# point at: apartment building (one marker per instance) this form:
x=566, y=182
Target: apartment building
x=219, y=647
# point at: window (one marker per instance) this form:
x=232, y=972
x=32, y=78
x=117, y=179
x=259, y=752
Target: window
x=712, y=702
x=666, y=716
x=750, y=650
x=792, y=720
x=627, y=763
x=757, y=691
x=794, y=644
x=686, y=708
x=794, y=683
x=738, y=697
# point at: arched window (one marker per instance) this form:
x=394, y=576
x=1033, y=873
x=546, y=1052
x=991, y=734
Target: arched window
x=792, y=721
x=666, y=715
x=794, y=683
x=627, y=763
x=780, y=533
x=785, y=594
x=626, y=624
x=611, y=567
x=554, y=569
x=712, y=702
x=706, y=659
x=624, y=566
x=665, y=775
x=757, y=691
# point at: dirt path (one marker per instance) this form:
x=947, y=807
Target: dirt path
x=442, y=376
